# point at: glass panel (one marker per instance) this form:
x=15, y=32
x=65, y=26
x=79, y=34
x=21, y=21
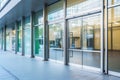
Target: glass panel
x=19, y=37
x=75, y=33
x=13, y=39
x=76, y=7
x=8, y=39
x=113, y=2
x=38, y=18
x=91, y=32
x=20, y=41
x=114, y=39
x=38, y=34
x=55, y=18
x=39, y=46
x=84, y=34
x=27, y=36
x=0, y=39
x=55, y=11
x=91, y=40
x=56, y=41
x=75, y=26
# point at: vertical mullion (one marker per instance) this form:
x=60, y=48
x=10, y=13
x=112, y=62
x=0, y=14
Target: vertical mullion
x=22, y=24
x=31, y=22
x=102, y=37
x=4, y=31
x=16, y=37
x=46, y=39
x=66, y=54
x=106, y=39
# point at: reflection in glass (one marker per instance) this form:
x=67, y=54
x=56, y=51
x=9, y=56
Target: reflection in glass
x=84, y=40
x=113, y=2
x=38, y=31
x=27, y=36
x=75, y=27
x=55, y=11
x=56, y=41
x=114, y=39
x=19, y=37
x=10, y=39
x=91, y=32
x=76, y=7
x=13, y=39
x=38, y=34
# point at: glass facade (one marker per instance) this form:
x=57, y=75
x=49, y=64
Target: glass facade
x=84, y=40
x=56, y=41
x=19, y=31
x=27, y=36
x=79, y=7
x=55, y=23
x=10, y=39
x=38, y=35
x=113, y=38
x=113, y=2
x=82, y=24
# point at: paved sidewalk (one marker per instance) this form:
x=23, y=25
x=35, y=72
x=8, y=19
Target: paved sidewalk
x=6, y=75
x=16, y=67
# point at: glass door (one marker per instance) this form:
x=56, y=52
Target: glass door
x=84, y=41
x=74, y=41
x=114, y=41
x=91, y=41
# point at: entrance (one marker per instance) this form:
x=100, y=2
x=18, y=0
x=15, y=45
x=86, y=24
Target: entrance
x=84, y=41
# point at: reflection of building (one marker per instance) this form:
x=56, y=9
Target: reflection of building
x=76, y=32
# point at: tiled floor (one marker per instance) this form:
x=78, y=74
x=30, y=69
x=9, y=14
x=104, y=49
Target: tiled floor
x=16, y=67
x=6, y=75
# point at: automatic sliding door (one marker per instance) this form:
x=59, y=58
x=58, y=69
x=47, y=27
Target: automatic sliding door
x=74, y=41
x=114, y=40
x=84, y=41
x=91, y=41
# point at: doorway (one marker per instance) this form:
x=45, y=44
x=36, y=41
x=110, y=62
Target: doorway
x=84, y=41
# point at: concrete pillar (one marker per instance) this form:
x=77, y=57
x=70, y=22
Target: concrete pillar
x=22, y=24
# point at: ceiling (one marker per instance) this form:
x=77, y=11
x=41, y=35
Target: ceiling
x=23, y=8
